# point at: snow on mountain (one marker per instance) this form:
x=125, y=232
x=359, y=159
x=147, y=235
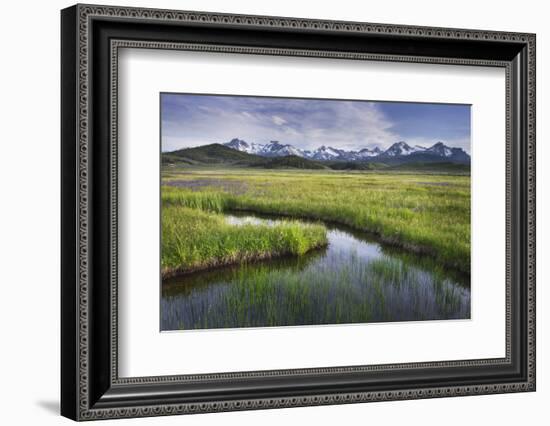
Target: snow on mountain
x=396, y=151
x=367, y=153
x=276, y=149
x=326, y=153
x=240, y=145
x=401, y=149
x=440, y=149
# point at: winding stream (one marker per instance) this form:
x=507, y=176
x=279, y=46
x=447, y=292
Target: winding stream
x=353, y=280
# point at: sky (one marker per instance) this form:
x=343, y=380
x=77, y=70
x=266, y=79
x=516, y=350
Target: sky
x=189, y=120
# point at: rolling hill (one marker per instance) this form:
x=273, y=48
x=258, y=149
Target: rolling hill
x=356, y=165
x=220, y=154
x=212, y=154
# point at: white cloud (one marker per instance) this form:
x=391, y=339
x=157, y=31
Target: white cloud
x=342, y=124
x=279, y=121
x=306, y=124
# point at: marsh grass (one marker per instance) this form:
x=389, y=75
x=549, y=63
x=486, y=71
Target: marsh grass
x=195, y=239
x=427, y=214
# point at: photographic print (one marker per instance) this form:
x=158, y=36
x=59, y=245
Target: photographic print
x=294, y=211
x=289, y=191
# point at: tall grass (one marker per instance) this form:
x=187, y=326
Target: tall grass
x=194, y=239
x=423, y=213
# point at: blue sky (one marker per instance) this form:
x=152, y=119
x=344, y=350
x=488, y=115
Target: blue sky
x=192, y=120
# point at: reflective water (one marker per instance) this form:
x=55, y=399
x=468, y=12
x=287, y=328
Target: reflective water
x=353, y=280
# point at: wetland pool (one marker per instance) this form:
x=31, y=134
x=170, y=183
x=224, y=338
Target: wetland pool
x=354, y=279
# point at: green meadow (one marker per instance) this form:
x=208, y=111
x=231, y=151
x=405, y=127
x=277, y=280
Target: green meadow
x=422, y=213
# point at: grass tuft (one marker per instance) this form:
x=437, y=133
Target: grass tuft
x=193, y=239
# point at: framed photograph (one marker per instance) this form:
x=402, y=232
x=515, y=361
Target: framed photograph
x=263, y=212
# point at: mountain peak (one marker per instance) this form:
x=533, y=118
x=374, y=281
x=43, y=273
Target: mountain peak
x=401, y=144
x=242, y=145
x=441, y=149
x=237, y=143
x=398, y=151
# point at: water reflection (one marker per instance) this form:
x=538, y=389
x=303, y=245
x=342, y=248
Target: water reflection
x=353, y=280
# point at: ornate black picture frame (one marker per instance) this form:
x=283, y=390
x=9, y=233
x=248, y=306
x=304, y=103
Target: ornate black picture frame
x=91, y=36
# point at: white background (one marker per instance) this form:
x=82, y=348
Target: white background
x=146, y=352
x=29, y=226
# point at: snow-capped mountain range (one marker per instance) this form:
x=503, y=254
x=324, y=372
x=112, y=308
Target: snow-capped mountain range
x=399, y=150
